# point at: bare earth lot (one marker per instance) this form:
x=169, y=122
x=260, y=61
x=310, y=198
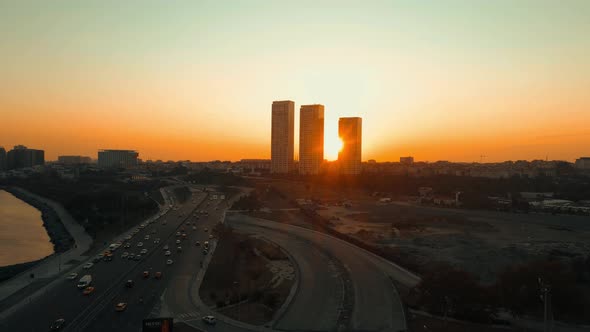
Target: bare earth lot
x=481, y=242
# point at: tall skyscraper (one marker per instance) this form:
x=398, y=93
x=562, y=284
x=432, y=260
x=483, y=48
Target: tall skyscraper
x=311, y=138
x=2, y=159
x=22, y=157
x=350, y=132
x=282, y=136
x=117, y=158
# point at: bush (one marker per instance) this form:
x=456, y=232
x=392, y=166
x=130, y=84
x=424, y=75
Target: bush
x=457, y=293
x=271, y=300
x=250, y=203
x=520, y=292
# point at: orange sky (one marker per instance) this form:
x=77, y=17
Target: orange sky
x=452, y=81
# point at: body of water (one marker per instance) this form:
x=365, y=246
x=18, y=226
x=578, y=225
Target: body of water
x=22, y=235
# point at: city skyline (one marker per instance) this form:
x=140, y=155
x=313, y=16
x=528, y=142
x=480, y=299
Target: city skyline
x=452, y=81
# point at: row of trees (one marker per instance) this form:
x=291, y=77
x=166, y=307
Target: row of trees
x=572, y=187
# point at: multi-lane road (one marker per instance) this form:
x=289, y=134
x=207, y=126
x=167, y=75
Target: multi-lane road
x=339, y=285
x=96, y=312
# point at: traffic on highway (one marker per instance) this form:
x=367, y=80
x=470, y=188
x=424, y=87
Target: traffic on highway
x=118, y=287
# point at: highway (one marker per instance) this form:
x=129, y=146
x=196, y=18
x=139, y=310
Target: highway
x=96, y=312
x=376, y=303
x=339, y=286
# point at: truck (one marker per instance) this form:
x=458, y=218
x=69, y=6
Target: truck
x=85, y=281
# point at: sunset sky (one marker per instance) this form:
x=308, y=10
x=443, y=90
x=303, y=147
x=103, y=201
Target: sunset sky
x=439, y=80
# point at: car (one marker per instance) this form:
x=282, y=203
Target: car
x=108, y=258
x=58, y=324
x=164, y=222
x=166, y=247
x=177, y=241
x=147, y=237
x=205, y=252
x=121, y=306
x=209, y=320
x=169, y=262
x=156, y=241
x=125, y=255
x=197, y=243
x=137, y=257
x=158, y=275
x=128, y=237
x=183, y=236
x=72, y=276
x=143, y=251
x=88, y=290
x=153, y=231
x=131, y=256
x=179, y=249
x=142, y=226
x=206, y=229
x=194, y=228
x=210, y=236
x=127, y=245
x=167, y=253
x=177, y=233
x=146, y=274
x=88, y=265
x=129, y=283
x=140, y=244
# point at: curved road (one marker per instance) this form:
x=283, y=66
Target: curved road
x=376, y=305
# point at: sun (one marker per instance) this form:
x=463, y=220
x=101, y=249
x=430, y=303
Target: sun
x=332, y=145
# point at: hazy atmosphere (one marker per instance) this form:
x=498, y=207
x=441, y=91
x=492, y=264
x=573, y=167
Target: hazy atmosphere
x=452, y=80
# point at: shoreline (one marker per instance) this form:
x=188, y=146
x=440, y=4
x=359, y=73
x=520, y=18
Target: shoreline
x=58, y=234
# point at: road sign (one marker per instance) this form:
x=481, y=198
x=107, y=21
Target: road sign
x=163, y=324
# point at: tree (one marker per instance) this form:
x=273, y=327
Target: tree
x=449, y=291
x=519, y=289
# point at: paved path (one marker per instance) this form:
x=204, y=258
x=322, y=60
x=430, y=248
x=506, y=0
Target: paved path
x=56, y=263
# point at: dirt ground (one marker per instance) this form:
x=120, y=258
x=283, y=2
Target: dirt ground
x=250, y=271
x=478, y=241
x=481, y=242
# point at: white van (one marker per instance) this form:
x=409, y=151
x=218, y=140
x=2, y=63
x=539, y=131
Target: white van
x=85, y=281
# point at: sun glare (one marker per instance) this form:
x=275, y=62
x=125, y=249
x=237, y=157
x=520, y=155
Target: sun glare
x=332, y=146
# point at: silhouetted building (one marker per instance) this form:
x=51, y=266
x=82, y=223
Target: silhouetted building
x=22, y=157
x=583, y=163
x=406, y=160
x=282, y=136
x=73, y=160
x=2, y=159
x=255, y=164
x=117, y=158
x=311, y=139
x=350, y=132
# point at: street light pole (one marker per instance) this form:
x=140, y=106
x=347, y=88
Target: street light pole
x=238, y=290
x=545, y=290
